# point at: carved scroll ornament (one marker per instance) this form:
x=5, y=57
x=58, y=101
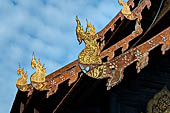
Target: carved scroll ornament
x=160, y=103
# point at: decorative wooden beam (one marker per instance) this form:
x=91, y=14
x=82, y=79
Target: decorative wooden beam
x=124, y=43
x=114, y=68
x=136, y=13
x=69, y=72
x=111, y=24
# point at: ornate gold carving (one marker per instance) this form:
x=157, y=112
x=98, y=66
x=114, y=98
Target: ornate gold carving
x=126, y=10
x=38, y=78
x=160, y=103
x=90, y=54
x=98, y=72
x=21, y=83
x=114, y=68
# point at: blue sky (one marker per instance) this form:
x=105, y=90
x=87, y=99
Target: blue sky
x=47, y=28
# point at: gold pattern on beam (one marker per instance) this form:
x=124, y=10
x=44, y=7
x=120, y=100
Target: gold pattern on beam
x=38, y=78
x=21, y=83
x=90, y=54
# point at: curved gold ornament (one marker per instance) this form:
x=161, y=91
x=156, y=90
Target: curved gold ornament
x=160, y=103
x=90, y=54
x=126, y=10
x=98, y=72
x=21, y=83
x=38, y=78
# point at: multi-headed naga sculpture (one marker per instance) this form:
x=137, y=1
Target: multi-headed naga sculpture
x=90, y=54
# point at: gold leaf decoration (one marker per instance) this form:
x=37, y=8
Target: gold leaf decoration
x=38, y=78
x=126, y=10
x=90, y=54
x=21, y=83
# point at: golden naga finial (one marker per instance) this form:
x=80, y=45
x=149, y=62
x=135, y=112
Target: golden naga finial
x=21, y=83
x=90, y=54
x=126, y=10
x=38, y=78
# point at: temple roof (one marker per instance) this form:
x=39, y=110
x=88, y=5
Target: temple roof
x=87, y=94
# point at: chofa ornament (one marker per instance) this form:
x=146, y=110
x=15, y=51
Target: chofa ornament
x=21, y=83
x=90, y=54
x=136, y=13
x=38, y=78
x=126, y=10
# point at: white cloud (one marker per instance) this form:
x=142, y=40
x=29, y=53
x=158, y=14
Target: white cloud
x=46, y=27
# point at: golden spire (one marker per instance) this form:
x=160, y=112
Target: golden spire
x=19, y=70
x=33, y=62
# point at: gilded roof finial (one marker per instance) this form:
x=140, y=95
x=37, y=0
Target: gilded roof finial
x=90, y=54
x=126, y=10
x=22, y=81
x=38, y=78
